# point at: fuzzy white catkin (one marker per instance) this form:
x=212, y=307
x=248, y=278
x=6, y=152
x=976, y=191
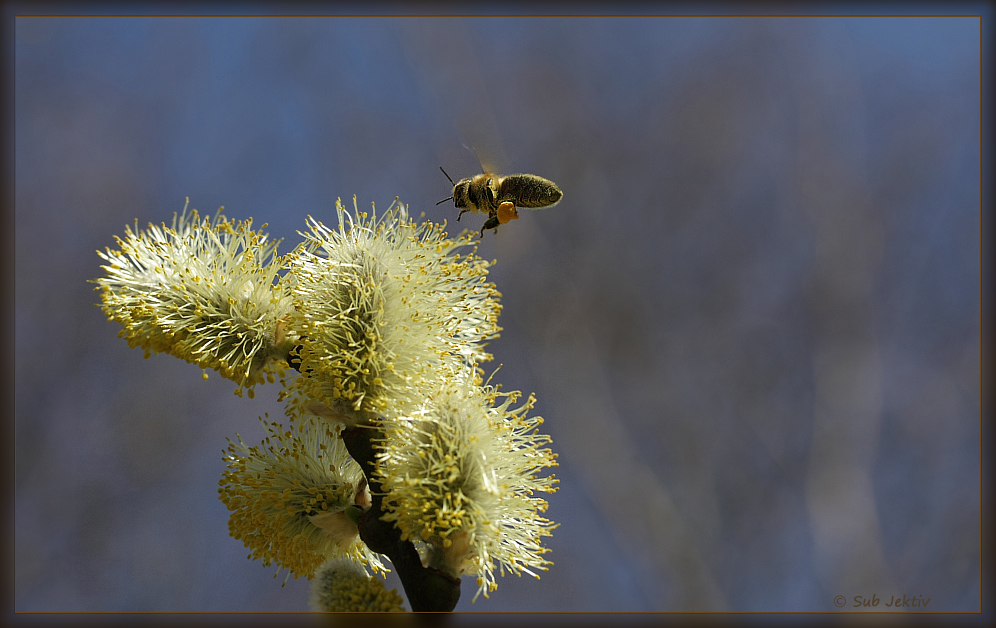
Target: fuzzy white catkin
x=342, y=586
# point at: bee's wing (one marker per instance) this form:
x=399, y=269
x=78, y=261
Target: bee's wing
x=444, y=61
x=481, y=132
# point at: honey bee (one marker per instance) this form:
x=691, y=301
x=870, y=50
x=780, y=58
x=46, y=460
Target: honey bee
x=497, y=196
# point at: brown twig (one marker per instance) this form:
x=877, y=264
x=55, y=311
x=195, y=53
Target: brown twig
x=428, y=589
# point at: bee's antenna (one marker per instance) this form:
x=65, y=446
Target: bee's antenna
x=448, y=198
x=451, y=183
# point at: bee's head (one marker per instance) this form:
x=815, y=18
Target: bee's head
x=462, y=196
x=477, y=193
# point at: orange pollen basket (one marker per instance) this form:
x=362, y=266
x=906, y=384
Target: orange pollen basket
x=507, y=212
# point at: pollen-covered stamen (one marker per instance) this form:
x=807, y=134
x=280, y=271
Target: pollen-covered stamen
x=204, y=290
x=459, y=474
x=290, y=496
x=385, y=307
x=341, y=586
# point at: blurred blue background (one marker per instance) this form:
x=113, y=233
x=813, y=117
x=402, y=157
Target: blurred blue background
x=752, y=324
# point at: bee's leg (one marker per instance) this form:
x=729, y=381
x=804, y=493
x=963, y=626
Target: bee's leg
x=462, y=212
x=492, y=223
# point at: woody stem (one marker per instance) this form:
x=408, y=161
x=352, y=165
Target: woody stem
x=427, y=589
